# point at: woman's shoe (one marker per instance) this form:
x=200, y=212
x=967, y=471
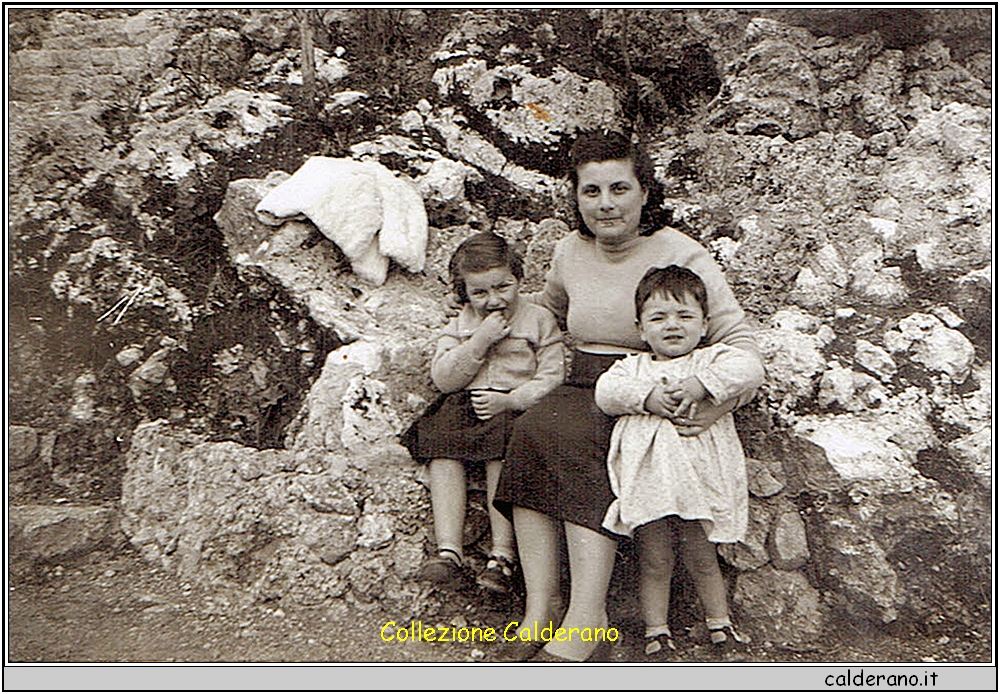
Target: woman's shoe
x=600, y=654
x=543, y=656
x=517, y=651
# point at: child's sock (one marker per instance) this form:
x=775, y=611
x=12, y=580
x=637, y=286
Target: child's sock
x=451, y=554
x=507, y=553
x=658, y=636
x=717, y=628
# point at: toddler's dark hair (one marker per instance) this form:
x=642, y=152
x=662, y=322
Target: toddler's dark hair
x=673, y=281
x=479, y=253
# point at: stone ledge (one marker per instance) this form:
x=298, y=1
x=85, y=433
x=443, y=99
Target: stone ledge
x=46, y=533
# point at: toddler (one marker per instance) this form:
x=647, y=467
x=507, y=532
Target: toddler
x=689, y=491
x=495, y=359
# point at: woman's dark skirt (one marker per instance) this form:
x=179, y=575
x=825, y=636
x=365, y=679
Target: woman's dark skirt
x=449, y=428
x=556, y=459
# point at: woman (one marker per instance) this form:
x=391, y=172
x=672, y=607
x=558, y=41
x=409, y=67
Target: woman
x=555, y=475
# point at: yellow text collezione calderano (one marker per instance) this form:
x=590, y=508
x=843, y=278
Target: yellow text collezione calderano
x=416, y=631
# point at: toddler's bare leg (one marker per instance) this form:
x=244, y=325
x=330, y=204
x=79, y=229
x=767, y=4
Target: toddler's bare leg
x=501, y=530
x=702, y=562
x=656, y=569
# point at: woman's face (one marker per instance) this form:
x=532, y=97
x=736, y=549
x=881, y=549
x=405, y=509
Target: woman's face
x=610, y=199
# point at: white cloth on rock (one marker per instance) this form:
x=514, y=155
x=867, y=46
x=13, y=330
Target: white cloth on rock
x=361, y=206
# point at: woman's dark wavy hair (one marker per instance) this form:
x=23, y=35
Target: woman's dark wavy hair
x=598, y=145
x=479, y=253
x=673, y=281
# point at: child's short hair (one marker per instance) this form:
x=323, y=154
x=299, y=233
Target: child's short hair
x=479, y=253
x=673, y=281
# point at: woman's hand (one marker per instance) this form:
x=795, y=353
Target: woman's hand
x=487, y=403
x=708, y=412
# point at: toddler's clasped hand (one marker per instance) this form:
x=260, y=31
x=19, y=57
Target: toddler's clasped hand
x=680, y=403
x=660, y=402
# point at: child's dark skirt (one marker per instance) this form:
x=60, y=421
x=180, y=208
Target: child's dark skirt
x=449, y=428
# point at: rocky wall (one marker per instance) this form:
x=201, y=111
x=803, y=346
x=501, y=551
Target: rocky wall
x=842, y=179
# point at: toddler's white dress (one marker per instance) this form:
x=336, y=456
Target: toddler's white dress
x=655, y=472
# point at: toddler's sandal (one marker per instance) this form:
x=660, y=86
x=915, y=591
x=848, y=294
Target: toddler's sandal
x=728, y=644
x=498, y=576
x=659, y=647
x=443, y=569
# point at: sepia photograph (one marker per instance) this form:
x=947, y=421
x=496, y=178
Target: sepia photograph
x=647, y=342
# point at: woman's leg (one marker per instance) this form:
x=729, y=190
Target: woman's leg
x=447, y=482
x=502, y=532
x=656, y=570
x=538, y=549
x=702, y=562
x=591, y=560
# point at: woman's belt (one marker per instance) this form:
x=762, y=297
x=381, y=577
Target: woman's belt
x=600, y=348
x=585, y=366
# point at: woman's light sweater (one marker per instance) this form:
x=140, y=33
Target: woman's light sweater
x=591, y=289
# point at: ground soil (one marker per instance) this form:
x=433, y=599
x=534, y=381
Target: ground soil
x=115, y=607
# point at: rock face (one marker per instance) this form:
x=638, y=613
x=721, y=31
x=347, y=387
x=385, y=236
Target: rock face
x=40, y=534
x=838, y=163
x=309, y=525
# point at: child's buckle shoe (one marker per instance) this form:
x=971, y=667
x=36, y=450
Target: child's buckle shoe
x=728, y=644
x=517, y=651
x=443, y=569
x=498, y=575
x=659, y=647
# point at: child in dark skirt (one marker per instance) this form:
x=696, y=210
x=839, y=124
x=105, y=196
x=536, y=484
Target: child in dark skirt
x=494, y=360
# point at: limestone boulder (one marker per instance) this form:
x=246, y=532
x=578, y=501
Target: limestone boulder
x=752, y=553
x=975, y=453
x=529, y=109
x=274, y=524
x=943, y=80
x=154, y=488
x=39, y=534
x=925, y=340
x=23, y=461
x=314, y=271
x=872, y=446
x=940, y=175
x=851, y=560
x=792, y=351
x=781, y=607
x=182, y=142
x=351, y=407
x=771, y=89
x=788, y=546
x=469, y=146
